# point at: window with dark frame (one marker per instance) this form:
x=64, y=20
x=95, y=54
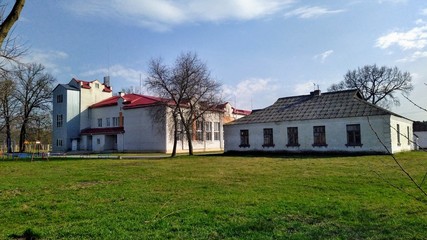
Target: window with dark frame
x=319, y=136
x=353, y=135
x=244, y=138
x=115, y=121
x=59, y=120
x=59, y=98
x=268, y=137
x=398, y=134
x=292, y=137
x=107, y=122
x=99, y=122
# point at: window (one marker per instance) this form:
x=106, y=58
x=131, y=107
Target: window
x=199, y=130
x=292, y=137
x=398, y=134
x=99, y=122
x=59, y=98
x=319, y=136
x=97, y=85
x=244, y=138
x=115, y=121
x=407, y=132
x=268, y=137
x=98, y=141
x=216, y=131
x=107, y=122
x=353, y=135
x=59, y=142
x=59, y=120
x=208, y=130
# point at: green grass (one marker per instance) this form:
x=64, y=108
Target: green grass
x=214, y=197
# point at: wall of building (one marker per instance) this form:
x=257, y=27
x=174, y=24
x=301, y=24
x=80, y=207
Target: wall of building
x=70, y=127
x=204, y=145
x=421, y=141
x=89, y=97
x=143, y=132
x=406, y=134
x=336, y=135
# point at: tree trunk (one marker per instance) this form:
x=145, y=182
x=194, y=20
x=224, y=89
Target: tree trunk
x=190, y=143
x=11, y=19
x=175, y=136
x=22, y=136
x=8, y=136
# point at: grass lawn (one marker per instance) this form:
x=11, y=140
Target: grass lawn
x=214, y=197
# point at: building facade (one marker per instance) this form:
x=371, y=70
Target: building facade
x=71, y=110
x=128, y=122
x=329, y=122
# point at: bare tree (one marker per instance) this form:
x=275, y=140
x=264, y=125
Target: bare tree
x=8, y=21
x=191, y=89
x=34, y=93
x=8, y=107
x=10, y=50
x=378, y=85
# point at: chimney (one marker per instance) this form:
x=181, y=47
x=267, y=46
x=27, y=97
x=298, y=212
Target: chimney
x=121, y=94
x=107, y=81
x=315, y=93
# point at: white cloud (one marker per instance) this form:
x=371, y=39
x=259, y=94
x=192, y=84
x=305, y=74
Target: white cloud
x=117, y=71
x=393, y=1
x=414, y=57
x=49, y=59
x=304, y=88
x=163, y=14
x=424, y=11
x=312, y=12
x=323, y=56
x=252, y=93
x=415, y=38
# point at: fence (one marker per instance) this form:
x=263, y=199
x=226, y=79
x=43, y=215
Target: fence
x=30, y=148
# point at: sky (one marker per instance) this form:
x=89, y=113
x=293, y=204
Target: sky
x=260, y=50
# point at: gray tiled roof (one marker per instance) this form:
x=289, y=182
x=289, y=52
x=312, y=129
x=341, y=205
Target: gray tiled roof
x=341, y=104
x=69, y=87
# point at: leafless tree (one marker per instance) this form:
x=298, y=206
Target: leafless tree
x=8, y=21
x=33, y=92
x=10, y=50
x=191, y=89
x=8, y=107
x=378, y=85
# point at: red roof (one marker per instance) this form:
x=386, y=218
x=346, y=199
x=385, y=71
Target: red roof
x=111, y=130
x=83, y=84
x=241, y=112
x=130, y=101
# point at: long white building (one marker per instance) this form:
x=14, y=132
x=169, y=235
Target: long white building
x=87, y=117
x=320, y=122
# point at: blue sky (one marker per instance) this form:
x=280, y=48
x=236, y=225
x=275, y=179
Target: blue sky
x=259, y=50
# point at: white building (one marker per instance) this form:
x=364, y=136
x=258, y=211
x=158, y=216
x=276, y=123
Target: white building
x=71, y=110
x=329, y=122
x=127, y=123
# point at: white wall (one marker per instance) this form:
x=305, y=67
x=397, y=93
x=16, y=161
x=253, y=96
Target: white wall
x=405, y=143
x=142, y=132
x=336, y=135
x=205, y=145
x=89, y=97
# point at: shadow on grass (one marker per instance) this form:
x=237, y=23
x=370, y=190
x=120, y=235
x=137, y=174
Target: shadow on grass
x=28, y=234
x=299, y=155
